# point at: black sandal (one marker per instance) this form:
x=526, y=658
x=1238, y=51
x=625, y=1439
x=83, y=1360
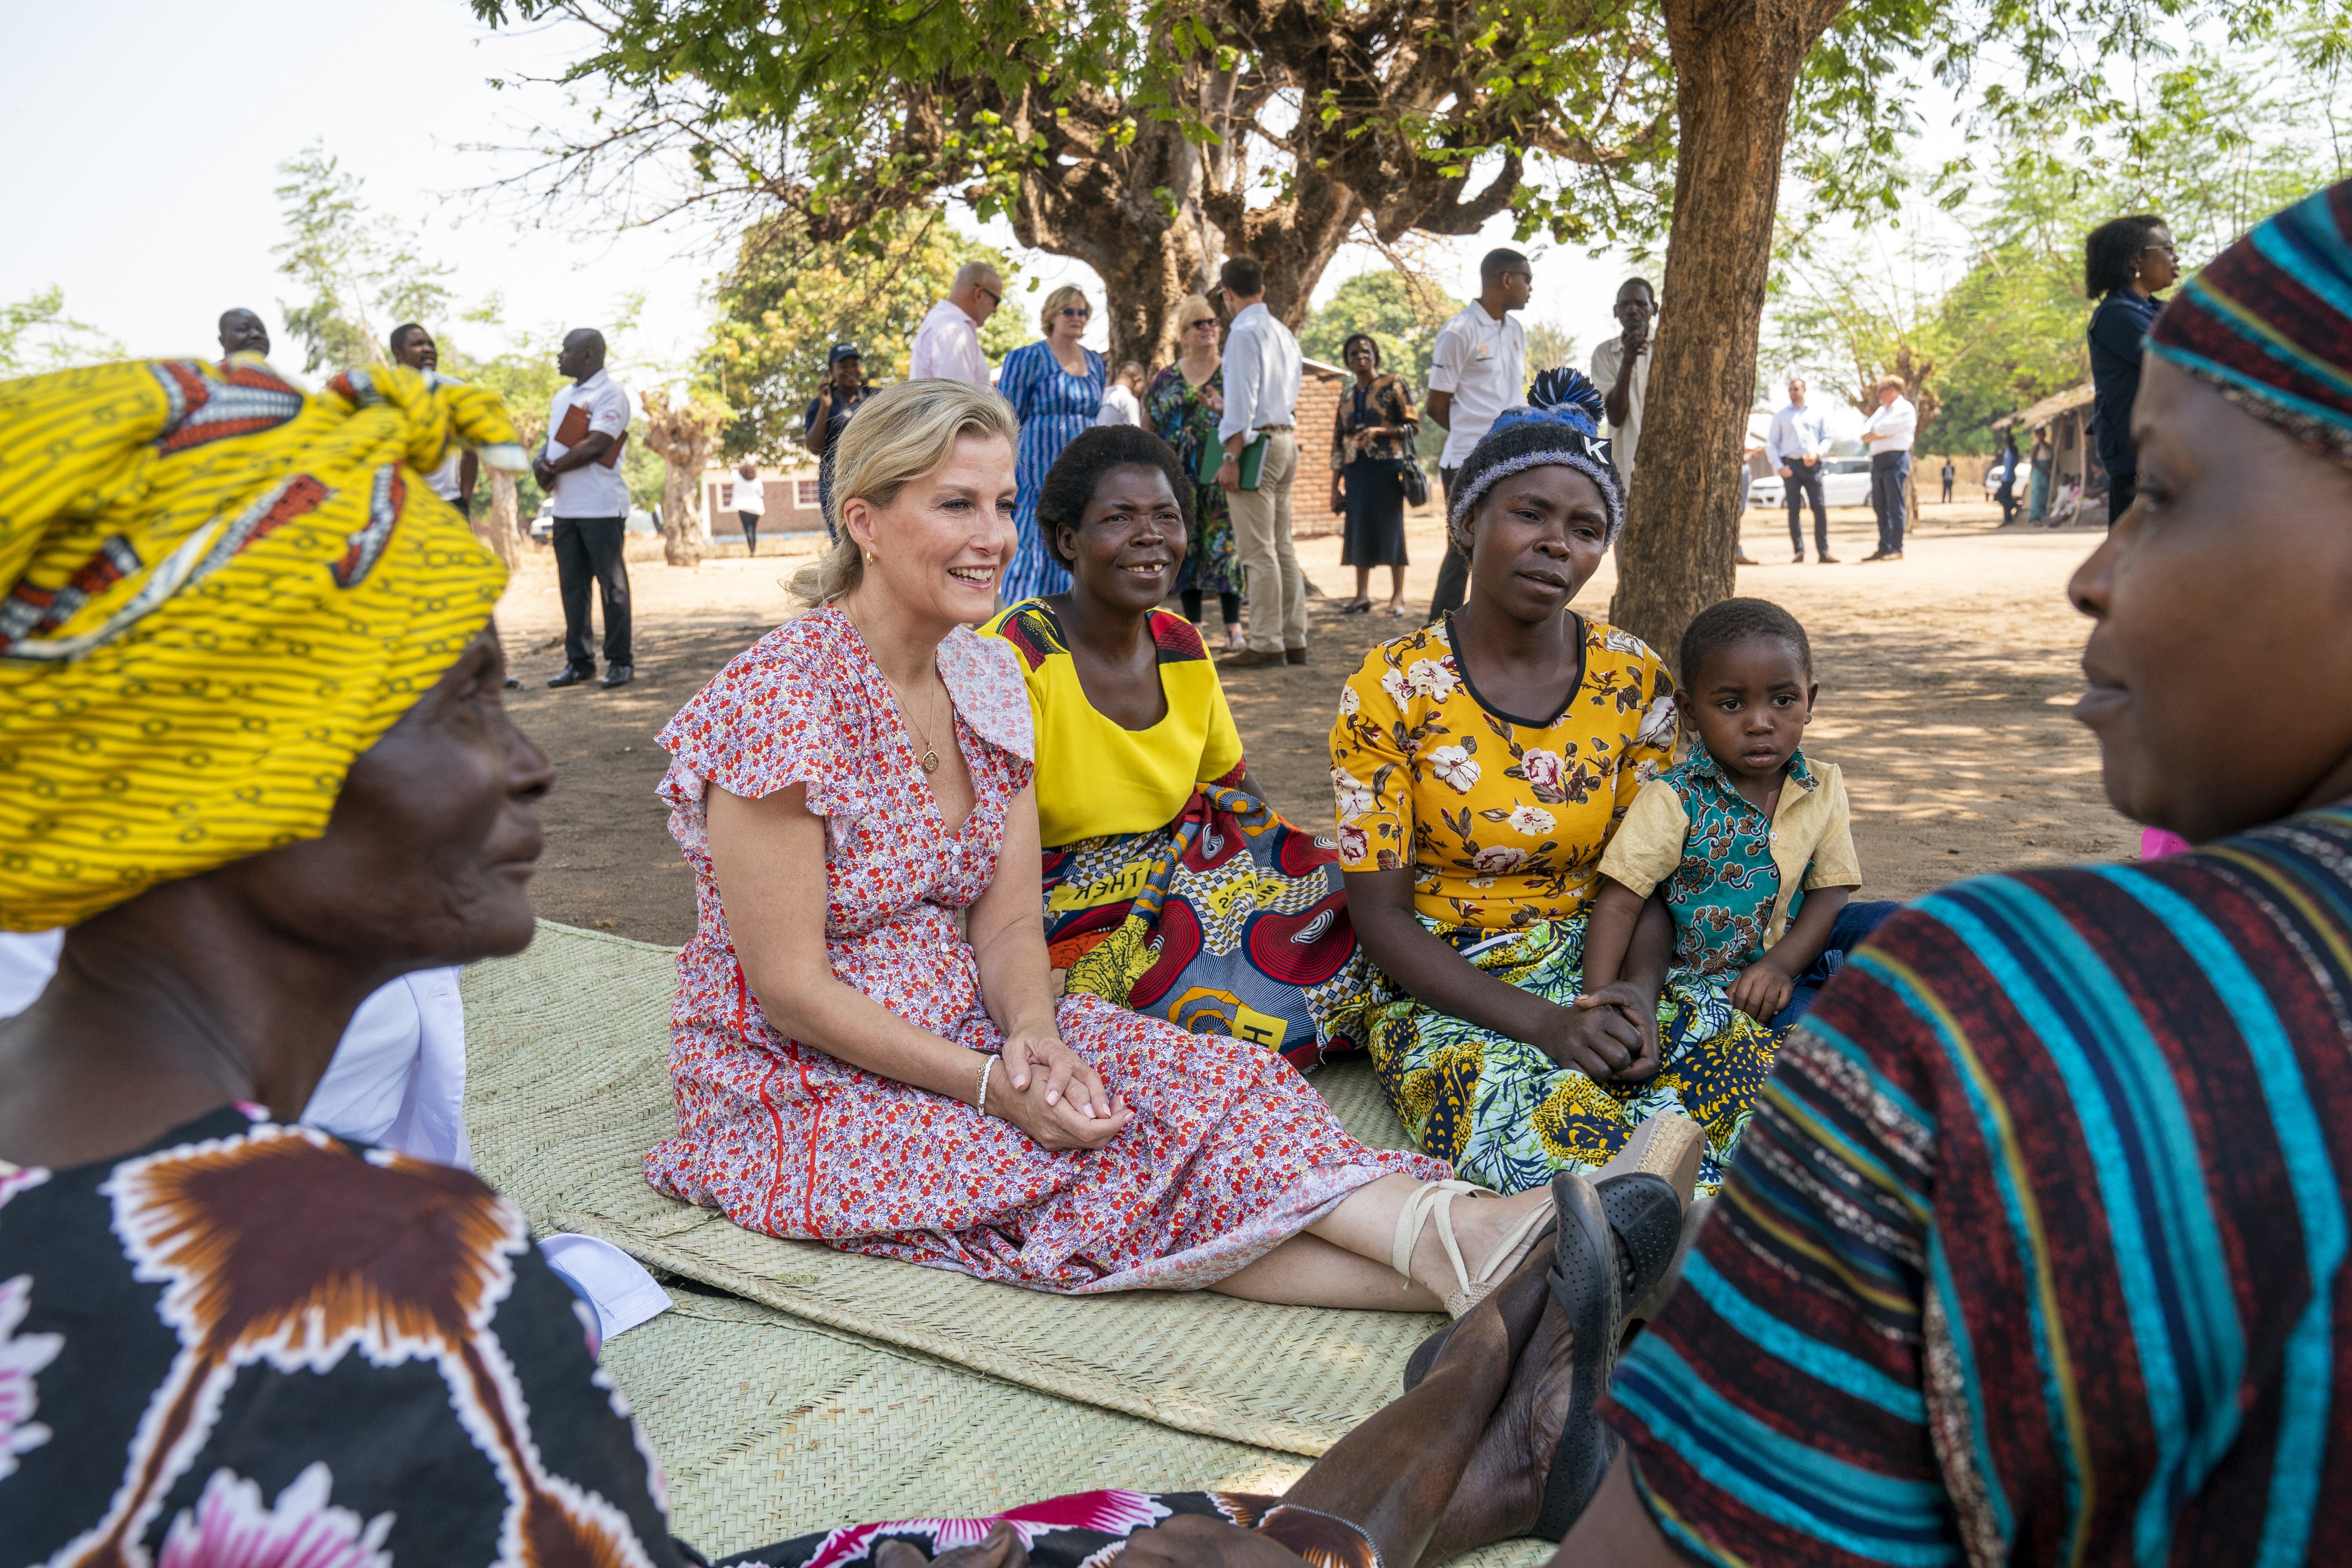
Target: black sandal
x=1588, y=1280
x=1644, y=1218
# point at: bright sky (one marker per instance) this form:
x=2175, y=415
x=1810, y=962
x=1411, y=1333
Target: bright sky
x=154, y=209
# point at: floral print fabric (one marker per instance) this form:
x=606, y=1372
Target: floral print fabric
x=1085, y=1530
x=1186, y=420
x=1501, y=822
x=1506, y=1116
x=255, y=1344
x=1231, y=1152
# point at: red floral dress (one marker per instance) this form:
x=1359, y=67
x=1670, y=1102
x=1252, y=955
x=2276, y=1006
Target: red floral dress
x=1230, y=1152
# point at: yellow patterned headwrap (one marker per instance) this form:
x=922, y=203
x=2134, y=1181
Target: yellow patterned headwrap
x=215, y=591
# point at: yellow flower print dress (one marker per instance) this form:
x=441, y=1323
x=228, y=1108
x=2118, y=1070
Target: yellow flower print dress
x=1502, y=818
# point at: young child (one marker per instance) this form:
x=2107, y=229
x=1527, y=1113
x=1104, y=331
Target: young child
x=1747, y=844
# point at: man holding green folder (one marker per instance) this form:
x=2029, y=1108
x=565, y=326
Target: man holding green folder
x=1260, y=446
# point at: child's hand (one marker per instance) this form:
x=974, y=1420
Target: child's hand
x=1761, y=991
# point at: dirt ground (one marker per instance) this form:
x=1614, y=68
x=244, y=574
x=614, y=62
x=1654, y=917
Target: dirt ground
x=1945, y=683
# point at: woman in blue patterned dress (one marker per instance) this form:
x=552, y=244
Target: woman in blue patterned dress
x=1056, y=388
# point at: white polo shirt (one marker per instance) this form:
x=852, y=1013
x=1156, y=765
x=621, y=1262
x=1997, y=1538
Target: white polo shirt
x=1483, y=363
x=1890, y=428
x=598, y=489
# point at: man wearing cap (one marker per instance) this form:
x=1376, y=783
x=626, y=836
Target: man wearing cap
x=839, y=396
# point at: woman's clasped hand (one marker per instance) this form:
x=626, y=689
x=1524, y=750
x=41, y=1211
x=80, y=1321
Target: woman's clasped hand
x=1049, y=1090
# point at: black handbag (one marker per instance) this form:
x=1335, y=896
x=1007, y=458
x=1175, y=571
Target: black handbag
x=1413, y=480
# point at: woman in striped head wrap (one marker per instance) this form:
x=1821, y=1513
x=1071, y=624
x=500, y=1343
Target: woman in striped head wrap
x=2035, y=1248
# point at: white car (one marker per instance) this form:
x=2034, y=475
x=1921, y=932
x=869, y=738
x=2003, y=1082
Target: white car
x=1846, y=481
x=542, y=527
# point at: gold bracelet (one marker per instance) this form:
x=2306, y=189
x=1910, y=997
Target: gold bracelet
x=980, y=1100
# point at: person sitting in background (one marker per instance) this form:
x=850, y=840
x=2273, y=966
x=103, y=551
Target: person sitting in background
x=1122, y=399
x=857, y=794
x=1184, y=404
x=1372, y=435
x=2035, y=1249
x=1171, y=887
x=1481, y=767
x=750, y=499
x=455, y=478
x=1056, y=388
x=2126, y=262
x=1750, y=845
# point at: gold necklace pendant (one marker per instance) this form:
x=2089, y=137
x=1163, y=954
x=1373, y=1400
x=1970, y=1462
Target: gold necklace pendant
x=931, y=762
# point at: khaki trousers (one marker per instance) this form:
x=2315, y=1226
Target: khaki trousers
x=1270, y=574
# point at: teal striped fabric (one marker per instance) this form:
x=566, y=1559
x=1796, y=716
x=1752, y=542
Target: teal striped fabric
x=2033, y=1251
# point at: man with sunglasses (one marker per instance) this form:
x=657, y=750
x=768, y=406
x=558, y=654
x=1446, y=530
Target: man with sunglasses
x=946, y=345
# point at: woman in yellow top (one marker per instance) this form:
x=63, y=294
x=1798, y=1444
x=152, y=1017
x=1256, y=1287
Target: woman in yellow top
x=1171, y=887
x=1481, y=767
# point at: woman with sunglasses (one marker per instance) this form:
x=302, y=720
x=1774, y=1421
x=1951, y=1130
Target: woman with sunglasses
x=1056, y=388
x=1183, y=406
x=2126, y=261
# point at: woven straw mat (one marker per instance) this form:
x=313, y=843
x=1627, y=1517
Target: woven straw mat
x=771, y=1428
x=567, y=1086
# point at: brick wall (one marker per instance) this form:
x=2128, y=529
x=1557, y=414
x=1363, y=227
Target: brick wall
x=1310, y=493
x=791, y=495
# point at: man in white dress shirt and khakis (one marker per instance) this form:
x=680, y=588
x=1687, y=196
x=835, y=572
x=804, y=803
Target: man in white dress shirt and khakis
x=1478, y=367
x=1262, y=375
x=946, y=345
x=1887, y=433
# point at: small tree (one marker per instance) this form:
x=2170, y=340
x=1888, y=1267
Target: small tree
x=685, y=436
x=36, y=335
x=364, y=272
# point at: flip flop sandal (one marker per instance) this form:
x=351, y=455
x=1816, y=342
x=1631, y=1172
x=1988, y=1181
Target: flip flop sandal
x=1589, y=1284
x=1433, y=1201
x=1645, y=1221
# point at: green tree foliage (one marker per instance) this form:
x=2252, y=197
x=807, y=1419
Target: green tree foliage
x=37, y=335
x=2231, y=139
x=789, y=299
x=364, y=273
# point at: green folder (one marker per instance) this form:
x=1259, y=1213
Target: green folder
x=1253, y=461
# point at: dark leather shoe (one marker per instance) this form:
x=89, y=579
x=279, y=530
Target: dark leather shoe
x=1294, y=656
x=618, y=675
x=571, y=675
x=1252, y=659
x=512, y=684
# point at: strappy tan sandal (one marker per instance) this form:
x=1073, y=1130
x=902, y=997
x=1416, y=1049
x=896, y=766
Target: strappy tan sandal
x=1434, y=1201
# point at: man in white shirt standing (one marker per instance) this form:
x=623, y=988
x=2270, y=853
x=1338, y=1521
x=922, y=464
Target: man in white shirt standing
x=1621, y=369
x=1888, y=432
x=580, y=466
x=947, y=344
x=1262, y=374
x=453, y=482
x=1799, y=441
x=1478, y=368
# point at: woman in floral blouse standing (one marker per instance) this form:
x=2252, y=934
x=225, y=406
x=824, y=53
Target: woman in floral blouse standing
x=1184, y=405
x=1481, y=765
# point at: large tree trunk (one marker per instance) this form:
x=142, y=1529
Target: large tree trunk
x=1736, y=64
x=496, y=529
x=684, y=437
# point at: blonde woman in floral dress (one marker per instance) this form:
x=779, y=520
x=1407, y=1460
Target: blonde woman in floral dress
x=1481, y=765
x=867, y=1047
